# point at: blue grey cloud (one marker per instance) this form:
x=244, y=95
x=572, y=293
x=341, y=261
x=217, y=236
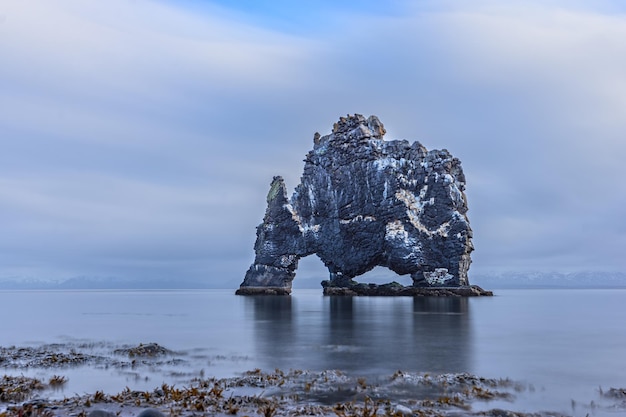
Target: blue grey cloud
x=139, y=138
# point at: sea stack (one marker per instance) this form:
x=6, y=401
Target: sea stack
x=364, y=202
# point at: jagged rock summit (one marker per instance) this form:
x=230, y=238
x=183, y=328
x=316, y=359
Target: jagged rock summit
x=363, y=202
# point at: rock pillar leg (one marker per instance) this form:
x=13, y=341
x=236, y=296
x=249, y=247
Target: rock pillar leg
x=279, y=245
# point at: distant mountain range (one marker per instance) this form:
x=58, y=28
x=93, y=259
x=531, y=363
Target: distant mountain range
x=501, y=280
x=584, y=279
x=105, y=283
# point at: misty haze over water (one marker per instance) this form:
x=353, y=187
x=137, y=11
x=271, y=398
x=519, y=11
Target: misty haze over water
x=562, y=343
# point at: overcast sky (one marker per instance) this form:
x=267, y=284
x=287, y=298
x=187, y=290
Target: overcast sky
x=139, y=138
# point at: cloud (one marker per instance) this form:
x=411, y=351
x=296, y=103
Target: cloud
x=530, y=99
x=139, y=138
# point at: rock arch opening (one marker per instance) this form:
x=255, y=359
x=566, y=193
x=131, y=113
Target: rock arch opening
x=382, y=275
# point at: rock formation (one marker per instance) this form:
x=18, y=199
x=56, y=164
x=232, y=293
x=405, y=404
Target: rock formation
x=365, y=202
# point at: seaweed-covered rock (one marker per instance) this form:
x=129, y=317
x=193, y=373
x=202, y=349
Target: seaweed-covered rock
x=18, y=388
x=364, y=202
x=141, y=350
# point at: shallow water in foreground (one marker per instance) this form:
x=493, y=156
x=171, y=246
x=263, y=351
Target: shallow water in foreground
x=561, y=345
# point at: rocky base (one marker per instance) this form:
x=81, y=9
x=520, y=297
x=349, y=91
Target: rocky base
x=263, y=291
x=395, y=289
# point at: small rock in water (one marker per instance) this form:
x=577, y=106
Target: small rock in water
x=403, y=410
x=615, y=393
x=149, y=349
x=100, y=413
x=149, y=412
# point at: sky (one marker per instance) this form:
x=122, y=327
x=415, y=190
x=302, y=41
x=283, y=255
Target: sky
x=138, y=138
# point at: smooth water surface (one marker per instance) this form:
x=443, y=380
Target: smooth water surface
x=564, y=343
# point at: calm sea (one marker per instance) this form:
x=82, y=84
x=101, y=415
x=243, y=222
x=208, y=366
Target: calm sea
x=563, y=344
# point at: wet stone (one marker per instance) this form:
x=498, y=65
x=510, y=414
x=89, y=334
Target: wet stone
x=150, y=412
x=615, y=393
x=101, y=413
x=18, y=388
x=147, y=350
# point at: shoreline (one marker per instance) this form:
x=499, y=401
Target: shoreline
x=264, y=393
x=293, y=393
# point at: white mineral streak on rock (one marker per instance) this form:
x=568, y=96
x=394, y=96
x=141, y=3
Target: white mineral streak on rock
x=438, y=277
x=396, y=230
x=377, y=144
x=423, y=192
x=388, y=161
x=311, y=196
x=455, y=193
x=458, y=217
x=286, y=260
x=293, y=213
x=407, y=183
x=414, y=207
x=308, y=228
x=358, y=218
x=405, y=411
x=304, y=228
x=268, y=247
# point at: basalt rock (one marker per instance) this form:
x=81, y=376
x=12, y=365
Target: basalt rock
x=364, y=202
x=395, y=289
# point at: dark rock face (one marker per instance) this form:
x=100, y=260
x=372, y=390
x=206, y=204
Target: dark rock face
x=365, y=202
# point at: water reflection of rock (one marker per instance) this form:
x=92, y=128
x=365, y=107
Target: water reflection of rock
x=274, y=329
x=381, y=335
x=443, y=334
x=365, y=335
